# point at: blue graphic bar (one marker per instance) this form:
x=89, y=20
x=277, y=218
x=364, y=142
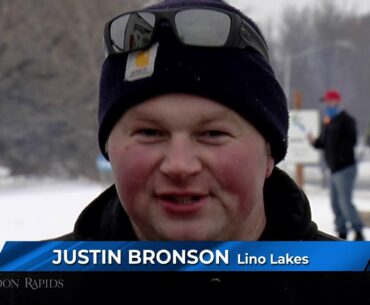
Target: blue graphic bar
x=185, y=256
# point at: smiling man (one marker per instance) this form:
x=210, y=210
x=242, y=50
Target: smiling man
x=194, y=123
x=188, y=168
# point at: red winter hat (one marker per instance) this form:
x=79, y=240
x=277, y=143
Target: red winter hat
x=331, y=95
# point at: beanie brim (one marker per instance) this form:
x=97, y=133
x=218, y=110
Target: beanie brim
x=242, y=81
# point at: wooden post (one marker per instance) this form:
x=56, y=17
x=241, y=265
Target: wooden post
x=297, y=105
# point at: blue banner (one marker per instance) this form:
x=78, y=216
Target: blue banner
x=185, y=256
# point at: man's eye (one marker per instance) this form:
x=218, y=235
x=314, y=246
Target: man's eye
x=214, y=133
x=149, y=132
x=214, y=137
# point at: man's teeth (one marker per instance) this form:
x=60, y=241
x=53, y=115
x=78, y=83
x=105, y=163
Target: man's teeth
x=185, y=200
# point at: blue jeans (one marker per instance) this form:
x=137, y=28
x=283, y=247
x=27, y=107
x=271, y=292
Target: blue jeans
x=341, y=190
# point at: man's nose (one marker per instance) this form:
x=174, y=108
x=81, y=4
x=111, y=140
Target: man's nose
x=181, y=160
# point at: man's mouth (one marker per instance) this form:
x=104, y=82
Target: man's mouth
x=183, y=203
x=184, y=200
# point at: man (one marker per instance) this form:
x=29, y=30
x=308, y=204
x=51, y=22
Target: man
x=338, y=139
x=194, y=122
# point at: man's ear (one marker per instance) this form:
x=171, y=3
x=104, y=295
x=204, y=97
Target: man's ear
x=270, y=162
x=106, y=148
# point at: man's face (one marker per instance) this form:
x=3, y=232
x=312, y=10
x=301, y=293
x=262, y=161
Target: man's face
x=332, y=103
x=188, y=168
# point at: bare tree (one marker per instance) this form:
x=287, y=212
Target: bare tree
x=50, y=58
x=328, y=48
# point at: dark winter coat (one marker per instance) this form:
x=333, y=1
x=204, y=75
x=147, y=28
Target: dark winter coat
x=288, y=218
x=338, y=140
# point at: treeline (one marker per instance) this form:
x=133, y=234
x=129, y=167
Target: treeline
x=327, y=49
x=50, y=54
x=50, y=58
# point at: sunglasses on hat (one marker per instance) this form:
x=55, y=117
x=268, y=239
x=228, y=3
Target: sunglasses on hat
x=199, y=26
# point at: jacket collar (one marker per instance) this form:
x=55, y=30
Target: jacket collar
x=287, y=210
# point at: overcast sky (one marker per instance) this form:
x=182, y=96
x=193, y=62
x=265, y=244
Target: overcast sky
x=262, y=9
x=269, y=11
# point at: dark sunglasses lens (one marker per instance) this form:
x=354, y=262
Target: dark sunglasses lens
x=132, y=31
x=201, y=27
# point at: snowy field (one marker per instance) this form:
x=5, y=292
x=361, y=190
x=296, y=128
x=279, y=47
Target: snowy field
x=33, y=209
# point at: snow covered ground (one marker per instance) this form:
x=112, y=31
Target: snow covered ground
x=39, y=209
x=44, y=208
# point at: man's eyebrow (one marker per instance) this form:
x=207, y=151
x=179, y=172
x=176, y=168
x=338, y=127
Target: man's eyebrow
x=219, y=115
x=215, y=115
x=205, y=118
x=143, y=115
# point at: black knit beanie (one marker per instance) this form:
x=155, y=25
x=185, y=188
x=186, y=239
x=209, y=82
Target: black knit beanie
x=240, y=79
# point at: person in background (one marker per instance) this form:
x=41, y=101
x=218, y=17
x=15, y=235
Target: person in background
x=338, y=139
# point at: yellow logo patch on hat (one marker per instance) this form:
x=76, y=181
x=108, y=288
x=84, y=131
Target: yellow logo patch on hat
x=140, y=64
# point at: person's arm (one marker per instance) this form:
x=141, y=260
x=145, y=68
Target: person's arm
x=351, y=132
x=317, y=142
